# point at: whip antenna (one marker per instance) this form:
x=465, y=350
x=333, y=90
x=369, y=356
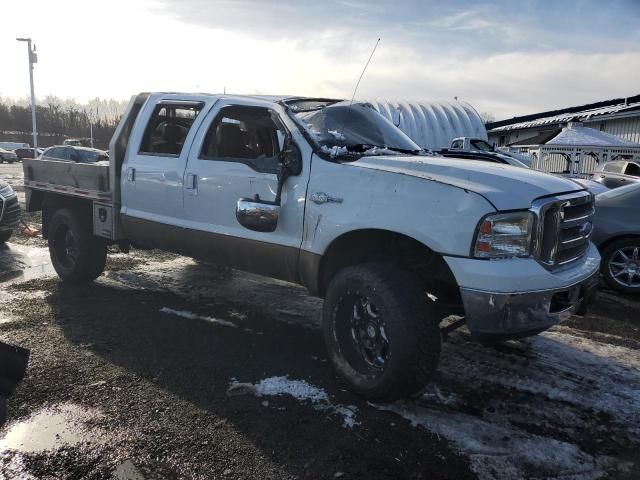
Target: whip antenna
x=358, y=84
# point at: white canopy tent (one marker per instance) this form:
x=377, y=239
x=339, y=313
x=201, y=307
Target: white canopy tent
x=578, y=150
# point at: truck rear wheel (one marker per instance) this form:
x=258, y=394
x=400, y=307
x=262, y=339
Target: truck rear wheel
x=381, y=334
x=5, y=235
x=76, y=254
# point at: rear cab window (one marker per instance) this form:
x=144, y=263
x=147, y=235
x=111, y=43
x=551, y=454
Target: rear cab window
x=168, y=128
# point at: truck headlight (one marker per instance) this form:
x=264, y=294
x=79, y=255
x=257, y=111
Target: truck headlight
x=503, y=235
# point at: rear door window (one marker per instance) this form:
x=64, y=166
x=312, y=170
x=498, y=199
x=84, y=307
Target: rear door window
x=168, y=128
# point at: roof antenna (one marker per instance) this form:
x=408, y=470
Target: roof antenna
x=357, y=85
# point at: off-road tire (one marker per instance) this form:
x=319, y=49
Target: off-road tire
x=607, y=253
x=5, y=236
x=411, y=327
x=90, y=251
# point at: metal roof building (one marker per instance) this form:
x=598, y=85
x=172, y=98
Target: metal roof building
x=618, y=116
x=433, y=125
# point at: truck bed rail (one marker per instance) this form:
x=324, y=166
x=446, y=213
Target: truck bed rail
x=86, y=180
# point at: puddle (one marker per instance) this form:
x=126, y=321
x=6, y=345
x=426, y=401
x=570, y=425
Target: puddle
x=51, y=428
x=21, y=263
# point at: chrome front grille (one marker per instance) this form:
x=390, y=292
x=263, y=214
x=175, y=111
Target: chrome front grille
x=563, y=228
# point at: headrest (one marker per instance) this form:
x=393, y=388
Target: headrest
x=172, y=133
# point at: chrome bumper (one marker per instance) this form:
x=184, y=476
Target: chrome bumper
x=513, y=315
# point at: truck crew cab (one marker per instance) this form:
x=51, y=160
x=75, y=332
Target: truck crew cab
x=330, y=195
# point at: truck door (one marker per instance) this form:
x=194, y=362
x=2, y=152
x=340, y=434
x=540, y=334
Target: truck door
x=235, y=155
x=156, y=158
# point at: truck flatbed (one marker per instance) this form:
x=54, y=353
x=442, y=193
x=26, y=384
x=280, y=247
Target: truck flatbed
x=86, y=180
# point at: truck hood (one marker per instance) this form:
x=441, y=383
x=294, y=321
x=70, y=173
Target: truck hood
x=506, y=187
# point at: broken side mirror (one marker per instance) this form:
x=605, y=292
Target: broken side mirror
x=290, y=159
x=257, y=215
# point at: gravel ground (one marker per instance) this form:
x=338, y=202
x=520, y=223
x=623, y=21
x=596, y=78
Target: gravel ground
x=167, y=368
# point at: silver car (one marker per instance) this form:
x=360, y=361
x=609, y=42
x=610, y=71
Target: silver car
x=617, y=235
x=617, y=173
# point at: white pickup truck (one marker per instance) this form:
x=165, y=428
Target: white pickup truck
x=332, y=196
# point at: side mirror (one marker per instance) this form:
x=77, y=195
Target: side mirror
x=290, y=160
x=257, y=215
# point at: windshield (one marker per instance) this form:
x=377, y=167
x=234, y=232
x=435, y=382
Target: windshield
x=343, y=130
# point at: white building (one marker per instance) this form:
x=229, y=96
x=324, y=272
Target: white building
x=620, y=117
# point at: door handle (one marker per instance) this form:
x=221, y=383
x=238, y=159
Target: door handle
x=192, y=183
x=131, y=174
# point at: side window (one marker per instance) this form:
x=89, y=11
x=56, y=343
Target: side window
x=632, y=169
x=248, y=135
x=72, y=154
x=168, y=128
x=614, y=167
x=457, y=144
x=55, y=153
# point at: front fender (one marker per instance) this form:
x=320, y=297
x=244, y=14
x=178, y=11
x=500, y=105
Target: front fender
x=440, y=216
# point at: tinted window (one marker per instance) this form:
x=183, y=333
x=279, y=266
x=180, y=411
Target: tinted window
x=481, y=145
x=615, y=167
x=632, y=169
x=245, y=134
x=87, y=156
x=168, y=128
x=57, y=153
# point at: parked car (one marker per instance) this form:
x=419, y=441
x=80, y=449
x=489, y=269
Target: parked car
x=617, y=173
x=28, y=152
x=7, y=156
x=76, y=142
x=464, y=145
x=67, y=153
x=333, y=196
x=13, y=145
x=617, y=235
x=9, y=211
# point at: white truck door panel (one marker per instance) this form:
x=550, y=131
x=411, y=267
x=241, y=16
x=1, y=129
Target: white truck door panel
x=152, y=186
x=220, y=181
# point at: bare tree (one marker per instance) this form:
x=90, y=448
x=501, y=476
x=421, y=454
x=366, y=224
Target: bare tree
x=487, y=117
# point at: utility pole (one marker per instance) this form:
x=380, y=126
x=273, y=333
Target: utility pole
x=33, y=58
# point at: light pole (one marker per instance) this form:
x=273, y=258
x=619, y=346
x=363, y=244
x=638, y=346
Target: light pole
x=33, y=58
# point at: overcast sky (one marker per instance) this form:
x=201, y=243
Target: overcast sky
x=504, y=57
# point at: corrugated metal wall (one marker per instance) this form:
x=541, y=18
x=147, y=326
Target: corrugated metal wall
x=627, y=128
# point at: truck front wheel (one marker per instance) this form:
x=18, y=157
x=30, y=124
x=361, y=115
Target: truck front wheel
x=76, y=254
x=381, y=333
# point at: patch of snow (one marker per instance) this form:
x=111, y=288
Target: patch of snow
x=194, y=316
x=337, y=135
x=300, y=390
x=500, y=452
x=335, y=150
x=379, y=151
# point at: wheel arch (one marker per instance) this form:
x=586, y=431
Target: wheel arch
x=51, y=203
x=623, y=236
x=380, y=245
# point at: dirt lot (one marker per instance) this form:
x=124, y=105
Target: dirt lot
x=166, y=368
